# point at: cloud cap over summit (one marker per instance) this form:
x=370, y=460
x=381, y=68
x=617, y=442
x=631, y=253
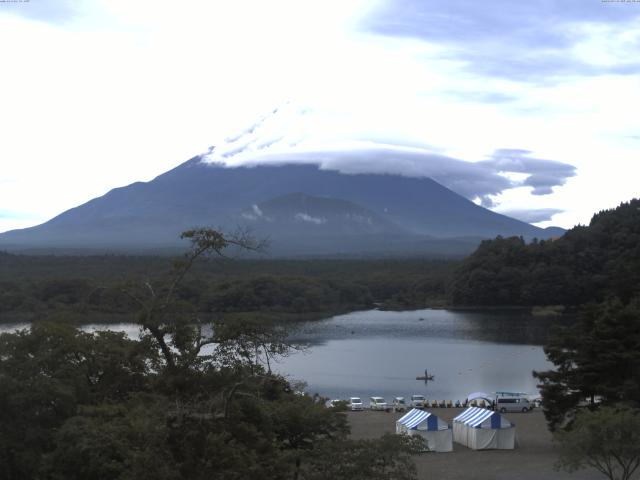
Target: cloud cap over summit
x=289, y=135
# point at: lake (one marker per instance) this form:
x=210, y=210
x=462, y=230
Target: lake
x=381, y=352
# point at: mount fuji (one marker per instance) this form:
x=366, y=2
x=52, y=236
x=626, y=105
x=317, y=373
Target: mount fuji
x=302, y=208
x=304, y=183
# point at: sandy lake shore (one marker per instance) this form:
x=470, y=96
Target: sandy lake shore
x=534, y=458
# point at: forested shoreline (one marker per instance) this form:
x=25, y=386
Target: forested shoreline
x=94, y=286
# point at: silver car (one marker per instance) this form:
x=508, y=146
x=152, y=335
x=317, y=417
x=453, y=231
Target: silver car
x=418, y=401
x=399, y=404
x=378, y=403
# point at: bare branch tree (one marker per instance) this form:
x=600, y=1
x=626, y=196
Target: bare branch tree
x=177, y=329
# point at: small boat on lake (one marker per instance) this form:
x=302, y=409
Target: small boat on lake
x=426, y=377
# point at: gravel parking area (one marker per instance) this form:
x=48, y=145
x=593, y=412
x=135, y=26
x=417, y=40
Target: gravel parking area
x=533, y=459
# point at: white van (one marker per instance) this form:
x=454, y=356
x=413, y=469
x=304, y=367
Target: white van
x=513, y=404
x=355, y=404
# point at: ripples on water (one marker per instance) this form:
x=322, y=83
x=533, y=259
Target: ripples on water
x=492, y=326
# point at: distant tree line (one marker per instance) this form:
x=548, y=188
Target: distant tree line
x=41, y=285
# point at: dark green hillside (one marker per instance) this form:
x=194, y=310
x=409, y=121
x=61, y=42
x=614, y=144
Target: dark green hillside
x=585, y=265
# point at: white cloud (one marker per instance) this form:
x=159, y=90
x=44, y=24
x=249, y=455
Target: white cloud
x=532, y=216
x=293, y=134
x=305, y=217
x=255, y=214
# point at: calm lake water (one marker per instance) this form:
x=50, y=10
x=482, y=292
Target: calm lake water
x=381, y=353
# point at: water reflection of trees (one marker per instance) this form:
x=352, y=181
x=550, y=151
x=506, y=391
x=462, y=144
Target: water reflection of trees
x=512, y=327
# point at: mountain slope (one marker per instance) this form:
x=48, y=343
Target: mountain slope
x=305, y=215
x=149, y=215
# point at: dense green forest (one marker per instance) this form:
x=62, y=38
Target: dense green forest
x=587, y=264
x=33, y=286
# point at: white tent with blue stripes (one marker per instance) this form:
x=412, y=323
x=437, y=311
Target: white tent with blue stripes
x=482, y=429
x=436, y=433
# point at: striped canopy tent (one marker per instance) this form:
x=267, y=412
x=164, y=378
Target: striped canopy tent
x=481, y=429
x=435, y=432
x=480, y=397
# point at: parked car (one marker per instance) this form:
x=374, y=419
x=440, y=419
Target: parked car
x=379, y=403
x=588, y=401
x=355, y=404
x=513, y=404
x=418, y=401
x=399, y=404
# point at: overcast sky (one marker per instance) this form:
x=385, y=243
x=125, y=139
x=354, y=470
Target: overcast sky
x=528, y=107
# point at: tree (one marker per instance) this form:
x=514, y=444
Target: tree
x=250, y=341
x=46, y=374
x=607, y=439
x=98, y=442
x=596, y=360
x=386, y=458
x=586, y=264
x=301, y=422
x=174, y=326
